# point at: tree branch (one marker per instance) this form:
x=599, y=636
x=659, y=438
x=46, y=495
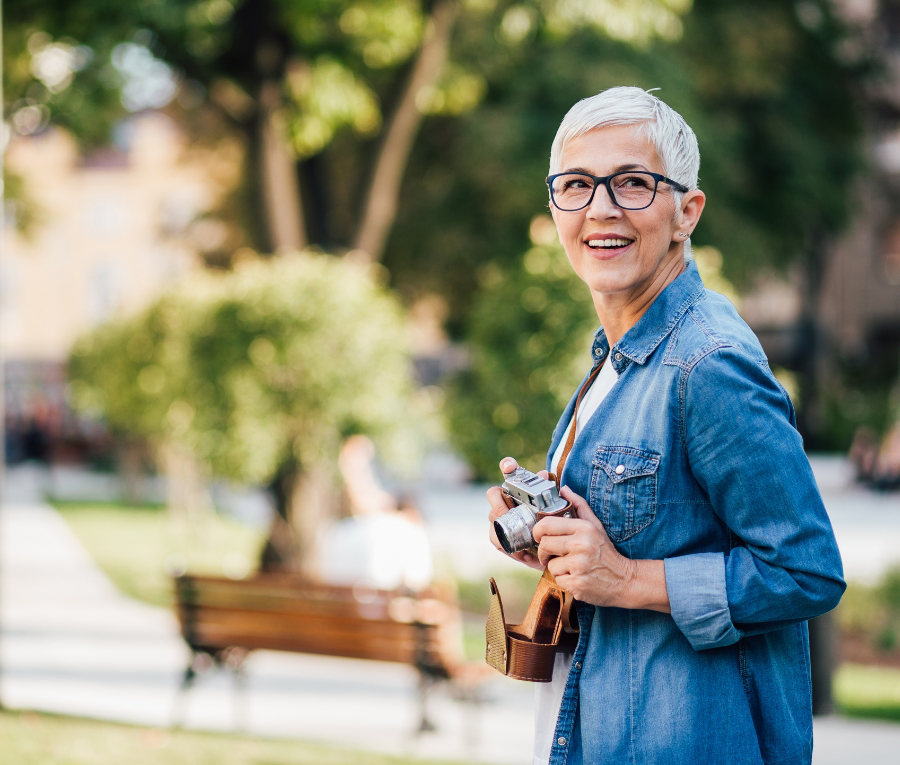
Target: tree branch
x=380, y=208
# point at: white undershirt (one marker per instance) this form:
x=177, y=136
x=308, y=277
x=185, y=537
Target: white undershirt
x=602, y=385
x=548, y=696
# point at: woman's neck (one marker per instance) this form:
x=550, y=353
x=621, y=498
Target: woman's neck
x=620, y=311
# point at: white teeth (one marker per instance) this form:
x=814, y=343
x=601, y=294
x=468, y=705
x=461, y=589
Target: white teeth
x=608, y=242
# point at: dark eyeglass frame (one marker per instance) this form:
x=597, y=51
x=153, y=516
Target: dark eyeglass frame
x=605, y=180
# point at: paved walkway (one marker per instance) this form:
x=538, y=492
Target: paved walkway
x=70, y=643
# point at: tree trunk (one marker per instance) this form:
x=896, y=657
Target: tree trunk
x=813, y=350
x=380, y=207
x=277, y=175
x=304, y=500
x=823, y=633
x=131, y=453
x=187, y=489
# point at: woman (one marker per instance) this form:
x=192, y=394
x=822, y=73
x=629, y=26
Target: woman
x=701, y=545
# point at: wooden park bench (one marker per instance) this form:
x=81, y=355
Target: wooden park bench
x=225, y=619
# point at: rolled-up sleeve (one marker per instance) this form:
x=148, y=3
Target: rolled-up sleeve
x=746, y=454
x=696, y=586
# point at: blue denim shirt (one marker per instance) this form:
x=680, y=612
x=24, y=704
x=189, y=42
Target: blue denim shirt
x=694, y=458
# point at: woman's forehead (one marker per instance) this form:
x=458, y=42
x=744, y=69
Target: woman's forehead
x=607, y=148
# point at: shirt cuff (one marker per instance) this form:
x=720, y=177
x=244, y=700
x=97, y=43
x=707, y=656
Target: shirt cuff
x=699, y=602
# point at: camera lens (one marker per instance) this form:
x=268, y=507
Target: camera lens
x=501, y=535
x=514, y=529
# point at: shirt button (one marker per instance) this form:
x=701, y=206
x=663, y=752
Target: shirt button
x=577, y=665
x=561, y=741
x=620, y=469
x=618, y=357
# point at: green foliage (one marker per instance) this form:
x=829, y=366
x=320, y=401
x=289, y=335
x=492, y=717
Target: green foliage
x=530, y=333
x=86, y=65
x=872, y=612
x=775, y=96
x=870, y=692
x=272, y=364
x=22, y=213
x=862, y=394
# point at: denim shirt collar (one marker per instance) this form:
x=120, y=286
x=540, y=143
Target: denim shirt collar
x=656, y=323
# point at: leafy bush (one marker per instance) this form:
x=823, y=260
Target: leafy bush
x=871, y=615
x=273, y=363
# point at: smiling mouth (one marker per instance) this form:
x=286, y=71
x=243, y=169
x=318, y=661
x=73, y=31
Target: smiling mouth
x=608, y=244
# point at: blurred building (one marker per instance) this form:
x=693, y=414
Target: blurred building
x=861, y=295
x=111, y=230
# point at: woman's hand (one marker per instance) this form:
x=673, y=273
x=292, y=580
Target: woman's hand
x=499, y=506
x=584, y=562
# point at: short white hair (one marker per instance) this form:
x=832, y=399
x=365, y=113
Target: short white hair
x=669, y=134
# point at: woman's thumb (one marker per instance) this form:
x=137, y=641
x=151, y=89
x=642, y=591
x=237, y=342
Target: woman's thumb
x=580, y=505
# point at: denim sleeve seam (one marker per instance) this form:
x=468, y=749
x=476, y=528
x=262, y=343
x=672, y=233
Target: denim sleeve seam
x=682, y=388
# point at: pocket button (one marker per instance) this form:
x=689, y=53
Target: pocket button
x=620, y=469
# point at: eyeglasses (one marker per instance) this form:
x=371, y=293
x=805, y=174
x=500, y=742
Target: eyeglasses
x=630, y=190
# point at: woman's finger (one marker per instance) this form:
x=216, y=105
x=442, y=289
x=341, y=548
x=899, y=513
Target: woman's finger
x=581, y=507
x=500, y=503
x=552, y=547
x=508, y=465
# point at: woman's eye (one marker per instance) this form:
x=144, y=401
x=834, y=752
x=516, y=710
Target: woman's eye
x=633, y=182
x=576, y=184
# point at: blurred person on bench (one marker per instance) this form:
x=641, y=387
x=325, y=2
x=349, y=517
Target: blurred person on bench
x=383, y=542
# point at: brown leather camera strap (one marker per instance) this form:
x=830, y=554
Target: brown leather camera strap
x=570, y=440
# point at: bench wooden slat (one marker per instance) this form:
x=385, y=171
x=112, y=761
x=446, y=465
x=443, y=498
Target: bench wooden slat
x=356, y=647
x=288, y=613
x=295, y=598
x=298, y=623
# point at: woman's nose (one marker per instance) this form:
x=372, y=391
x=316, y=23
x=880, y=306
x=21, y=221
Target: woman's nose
x=602, y=205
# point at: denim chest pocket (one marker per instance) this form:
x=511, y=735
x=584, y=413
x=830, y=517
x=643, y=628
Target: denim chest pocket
x=623, y=489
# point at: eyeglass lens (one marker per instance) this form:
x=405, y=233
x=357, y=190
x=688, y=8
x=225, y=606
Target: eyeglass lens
x=631, y=190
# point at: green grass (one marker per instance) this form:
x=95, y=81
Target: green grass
x=138, y=546
x=40, y=739
x=868, y=691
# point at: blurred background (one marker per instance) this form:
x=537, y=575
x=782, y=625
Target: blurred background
x=270, y=266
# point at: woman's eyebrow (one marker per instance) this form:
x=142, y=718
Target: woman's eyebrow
x=620, y=169
x=630, y=166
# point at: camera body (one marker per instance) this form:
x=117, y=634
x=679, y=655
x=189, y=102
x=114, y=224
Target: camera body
x=535, y=498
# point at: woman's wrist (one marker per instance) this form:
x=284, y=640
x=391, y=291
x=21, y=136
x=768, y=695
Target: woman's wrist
x=645, y=586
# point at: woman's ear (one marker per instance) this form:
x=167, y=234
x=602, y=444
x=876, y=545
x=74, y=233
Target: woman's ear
x=692, y=204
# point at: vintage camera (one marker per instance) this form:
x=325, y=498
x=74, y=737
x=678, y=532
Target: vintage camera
x=535, y=498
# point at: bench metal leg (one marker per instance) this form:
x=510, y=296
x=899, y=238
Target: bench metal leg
x=426, y=682
x=187, y=680
x=240, y=697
